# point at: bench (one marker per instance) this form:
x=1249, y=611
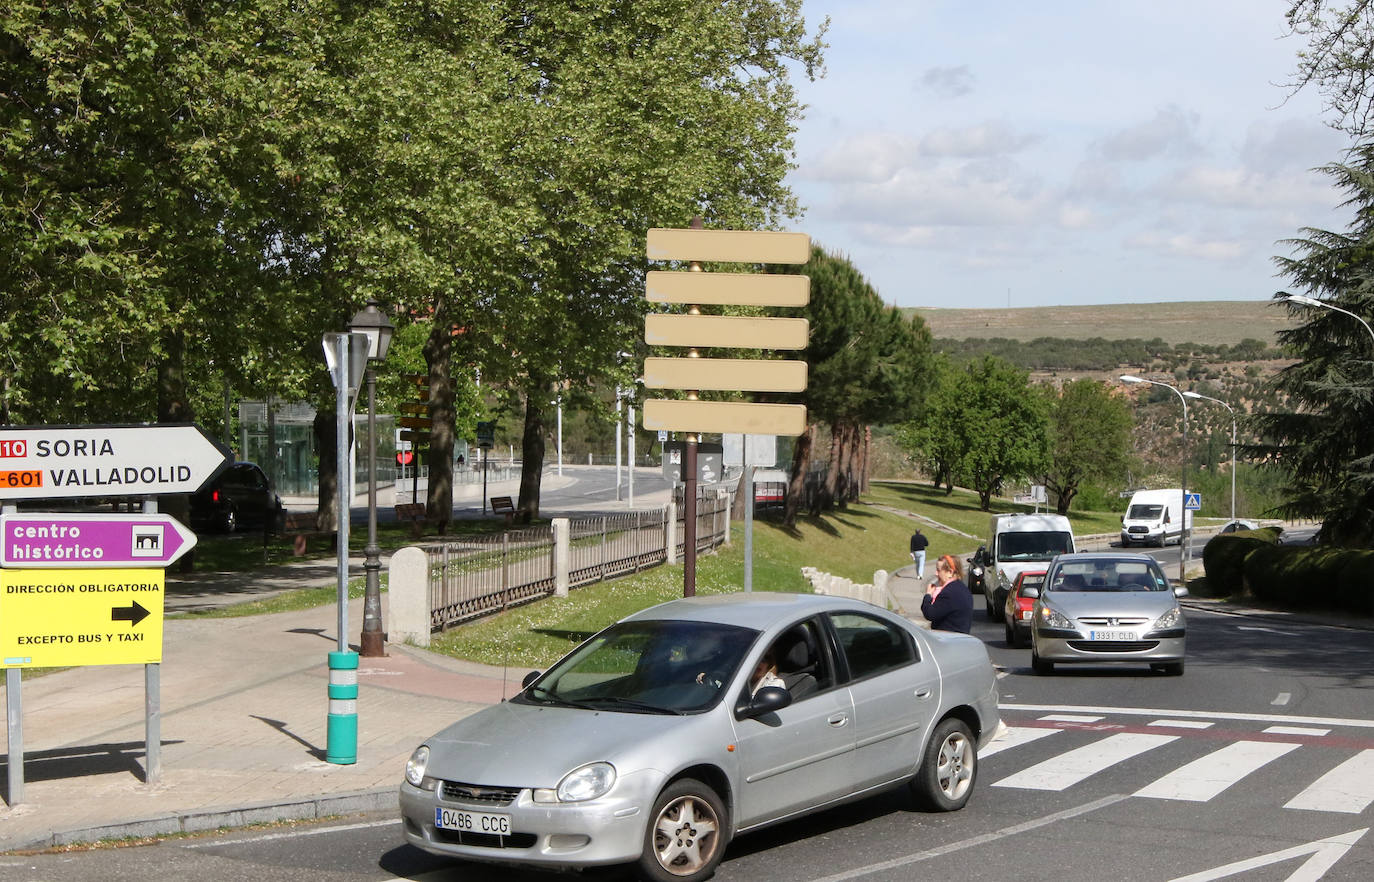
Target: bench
x=300, y=526
x=414, y=513
x=502, y=505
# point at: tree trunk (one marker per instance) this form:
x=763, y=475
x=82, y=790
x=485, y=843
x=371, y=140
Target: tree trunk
x=326, y=445
x=738, y=508
x=438, y=352
x=796, y=487
x=825, y=499
x=532, y=452
x=174, y=406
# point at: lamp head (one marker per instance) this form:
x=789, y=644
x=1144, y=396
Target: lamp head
x=1127, y=378
x=373, y=322
x=1193, y=395
x=1301, y=299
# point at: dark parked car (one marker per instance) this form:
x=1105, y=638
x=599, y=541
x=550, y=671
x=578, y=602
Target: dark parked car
x=239, y=498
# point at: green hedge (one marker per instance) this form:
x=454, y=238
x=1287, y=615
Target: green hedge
x=1224, y=555
x=1312, y=577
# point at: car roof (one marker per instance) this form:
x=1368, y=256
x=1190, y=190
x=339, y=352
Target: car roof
x=1089, y=556
x=758, y=610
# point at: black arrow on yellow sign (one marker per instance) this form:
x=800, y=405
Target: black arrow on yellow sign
x=132, y=614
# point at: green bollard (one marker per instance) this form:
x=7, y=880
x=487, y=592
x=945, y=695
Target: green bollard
x=342, y=728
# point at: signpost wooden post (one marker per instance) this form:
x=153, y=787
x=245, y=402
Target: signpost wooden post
x=693, y=374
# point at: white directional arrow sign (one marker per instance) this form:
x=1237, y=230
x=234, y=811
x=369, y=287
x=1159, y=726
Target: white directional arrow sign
x=51, y=462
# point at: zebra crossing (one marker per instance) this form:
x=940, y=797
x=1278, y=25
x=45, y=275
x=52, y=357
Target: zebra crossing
x=1083, y=745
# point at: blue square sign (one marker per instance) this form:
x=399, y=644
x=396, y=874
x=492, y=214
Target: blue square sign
x=1192, y=501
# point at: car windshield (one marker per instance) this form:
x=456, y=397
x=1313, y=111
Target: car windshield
x=665, y=667
x=1032, y=580
x=1144, y=512
x=1033, y=546
x=1109, y=575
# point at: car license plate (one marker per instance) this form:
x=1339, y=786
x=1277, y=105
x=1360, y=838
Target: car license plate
x=1111, y=635
x=471, y=822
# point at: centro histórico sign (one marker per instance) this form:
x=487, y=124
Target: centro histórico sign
x=69, y=618
x=53, y=462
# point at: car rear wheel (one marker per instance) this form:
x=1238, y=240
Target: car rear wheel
x=687, y=836
x=944, y=782
x=229, y=521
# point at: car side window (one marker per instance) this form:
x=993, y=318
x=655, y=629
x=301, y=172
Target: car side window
x=870, y=645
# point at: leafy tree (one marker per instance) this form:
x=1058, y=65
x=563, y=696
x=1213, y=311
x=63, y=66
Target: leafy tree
x=927, y=438
x=1340, y=40
x=1089, y=437
x=1003, y=428
x=1326, y=441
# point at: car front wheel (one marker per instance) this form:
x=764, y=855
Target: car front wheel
x=687, y=837
x=944, y=782
x=1039, y=665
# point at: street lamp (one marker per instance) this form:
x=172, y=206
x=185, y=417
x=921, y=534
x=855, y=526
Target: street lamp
x=1233, y=442
x=372, y=323
x=1304, y=300
x=1184, y=543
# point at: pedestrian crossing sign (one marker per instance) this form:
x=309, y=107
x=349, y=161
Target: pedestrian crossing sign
x=1192, y=501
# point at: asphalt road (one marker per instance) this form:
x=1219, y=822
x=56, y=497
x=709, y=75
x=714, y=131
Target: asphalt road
x=1258, y=763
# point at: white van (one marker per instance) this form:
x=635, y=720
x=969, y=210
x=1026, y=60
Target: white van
x=1155, y=517
x=1018, y=543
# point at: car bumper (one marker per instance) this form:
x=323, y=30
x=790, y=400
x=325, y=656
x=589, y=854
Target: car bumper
x=602, y=831
x=1067, y=647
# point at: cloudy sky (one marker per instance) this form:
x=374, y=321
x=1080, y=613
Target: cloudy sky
x=985, y=154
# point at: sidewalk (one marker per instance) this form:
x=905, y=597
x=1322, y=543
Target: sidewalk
x=243, y=710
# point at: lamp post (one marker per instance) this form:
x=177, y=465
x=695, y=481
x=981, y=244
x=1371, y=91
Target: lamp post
x=1233, y=442
x=377, y=328
x=1304, y=300
x=1184, y=544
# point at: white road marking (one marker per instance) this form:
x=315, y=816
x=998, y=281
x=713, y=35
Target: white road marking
x=1347, y=788
x=974, y=842
x=1206, y=715
x=1183, y=724
x=1204, y=778
x=1325, y=853
x=1295, y=730
x=291, y=834
x=1282, y=698
x=1067, y=769
x=1015, y=737
x=1070, y=718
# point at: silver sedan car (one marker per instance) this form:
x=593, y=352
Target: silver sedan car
x=1103, y=608
x=664, y=736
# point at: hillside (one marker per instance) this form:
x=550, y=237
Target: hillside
x=1212, y=322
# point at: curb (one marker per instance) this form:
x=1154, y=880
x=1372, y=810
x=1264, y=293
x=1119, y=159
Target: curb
x=204, y=820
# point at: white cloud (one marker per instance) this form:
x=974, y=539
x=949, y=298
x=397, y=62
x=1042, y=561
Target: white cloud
x=1185, y=245
x=948, y=82
x=1171, y=131
x=987, y=139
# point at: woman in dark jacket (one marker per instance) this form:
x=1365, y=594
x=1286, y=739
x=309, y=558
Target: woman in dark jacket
x=948, y=603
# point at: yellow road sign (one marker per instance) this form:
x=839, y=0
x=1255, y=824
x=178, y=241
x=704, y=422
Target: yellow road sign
x=69, y=618
x=725, y=374
x=725, y=331
x=744, y=289
x=728, y=246
x=733, y=417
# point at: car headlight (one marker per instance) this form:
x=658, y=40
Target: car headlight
x=415, y=766
x=591, y=781
x=1052, y=618
x=1171, y=619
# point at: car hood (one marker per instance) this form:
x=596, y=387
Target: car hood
x=1010, y=569
x=1111, y=603
x=523, y=745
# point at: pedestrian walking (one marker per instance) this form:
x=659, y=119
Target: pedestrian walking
x=918, y=551
x=948, y=603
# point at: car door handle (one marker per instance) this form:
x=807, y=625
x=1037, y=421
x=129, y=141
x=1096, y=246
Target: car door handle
x=923, y=693
x=838, y=720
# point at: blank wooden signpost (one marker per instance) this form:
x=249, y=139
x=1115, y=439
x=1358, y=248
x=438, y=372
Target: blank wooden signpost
x=693, y=373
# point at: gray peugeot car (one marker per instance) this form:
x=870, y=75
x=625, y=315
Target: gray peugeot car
x=660, y=738
x=1103, y=608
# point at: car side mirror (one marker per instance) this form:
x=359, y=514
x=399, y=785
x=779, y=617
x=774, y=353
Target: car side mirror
x=529, y=678
x=1180, y=590
x=1030, y=592
x=766, y=701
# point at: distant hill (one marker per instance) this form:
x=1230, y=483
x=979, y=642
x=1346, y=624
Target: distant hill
x=1212, y=322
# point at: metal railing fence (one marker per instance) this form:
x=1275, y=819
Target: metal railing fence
x=479, y=575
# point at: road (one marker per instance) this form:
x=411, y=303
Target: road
x=1259, y=761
